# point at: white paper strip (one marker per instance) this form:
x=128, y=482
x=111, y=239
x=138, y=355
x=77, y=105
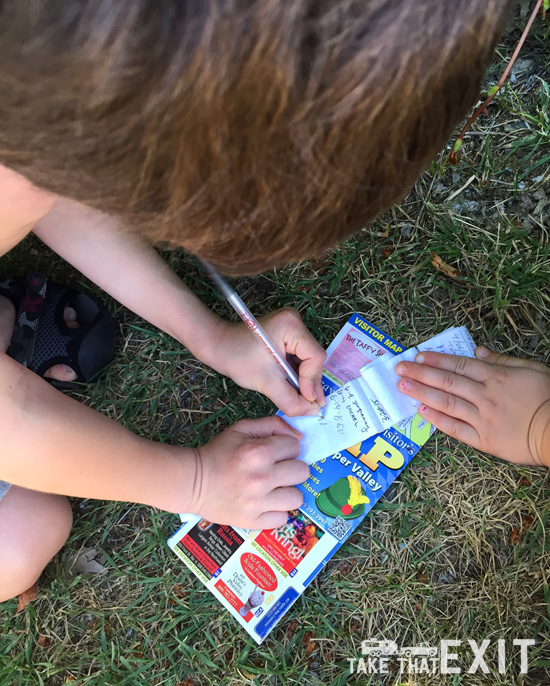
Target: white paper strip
x=382, y=381
x=371, y=403
x=454, y=341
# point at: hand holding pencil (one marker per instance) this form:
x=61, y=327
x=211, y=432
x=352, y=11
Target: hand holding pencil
x=257, y=357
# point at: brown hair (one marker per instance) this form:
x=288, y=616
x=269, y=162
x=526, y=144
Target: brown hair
x=249, y=132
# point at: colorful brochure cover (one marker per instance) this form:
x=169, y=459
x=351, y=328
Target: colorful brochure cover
x=258, y=575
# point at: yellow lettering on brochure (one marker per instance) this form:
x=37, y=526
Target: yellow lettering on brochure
x=355, y=450
x=377, y=335
x=393, y=346
x=384, y=453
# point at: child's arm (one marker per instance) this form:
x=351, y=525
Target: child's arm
x=21, y=204
x=53, y=443
x=131, y=271
x=498, y=404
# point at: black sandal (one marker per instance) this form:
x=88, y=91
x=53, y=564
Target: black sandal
x=42, y=339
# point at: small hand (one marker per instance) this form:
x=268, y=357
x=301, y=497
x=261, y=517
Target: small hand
x=246, y=475
x=491, y=403
x=251, y=366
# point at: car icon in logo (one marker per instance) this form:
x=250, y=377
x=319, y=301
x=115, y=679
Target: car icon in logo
x=377, y=648
x=421, y=650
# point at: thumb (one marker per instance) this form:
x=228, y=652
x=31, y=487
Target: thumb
x=289, y=401
x=487, y=355
x=310, y=372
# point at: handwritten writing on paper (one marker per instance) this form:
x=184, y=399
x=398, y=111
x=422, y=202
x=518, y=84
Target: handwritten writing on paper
x=347, y=415
x=455, y=341
x=369, y=404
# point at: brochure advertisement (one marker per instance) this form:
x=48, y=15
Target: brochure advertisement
x=258, y=575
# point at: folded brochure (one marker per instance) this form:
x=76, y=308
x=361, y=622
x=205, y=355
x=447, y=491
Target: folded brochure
x=258, y=574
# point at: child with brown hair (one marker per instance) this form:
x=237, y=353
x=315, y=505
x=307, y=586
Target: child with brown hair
x=250, y=133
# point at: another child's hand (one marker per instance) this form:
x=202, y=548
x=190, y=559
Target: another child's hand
x=246, y=361
x=497, y=404
x=245, y=476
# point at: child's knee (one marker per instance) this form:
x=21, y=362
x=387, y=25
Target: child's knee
x=24, y=557
x=19, y=570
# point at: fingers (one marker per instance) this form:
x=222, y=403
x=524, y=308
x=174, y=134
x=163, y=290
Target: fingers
x=310, y=386
x=287, y=324
x=289, y=401
x=440, y=400
x=452, y=375
x=283, y=500
x=280, y=448
x=474, y=369
x=290, y=472
x=466, y=367
x=278, y=503
x=311, y=369
x=266, y=426
x=273, y=441
x=492, y=357
x=270, y=520
x=452, y=426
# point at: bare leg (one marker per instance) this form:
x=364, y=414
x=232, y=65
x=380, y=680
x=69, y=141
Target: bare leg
x=33, y=527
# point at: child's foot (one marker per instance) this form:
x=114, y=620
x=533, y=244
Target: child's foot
x=59, y=372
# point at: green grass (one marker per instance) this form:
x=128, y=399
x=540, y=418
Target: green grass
x=437, y=558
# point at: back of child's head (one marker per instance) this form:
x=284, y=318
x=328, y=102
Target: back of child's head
x=250, y=132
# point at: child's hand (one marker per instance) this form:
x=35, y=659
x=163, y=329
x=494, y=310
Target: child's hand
x=246, y=361
x=497, y=404
x=245, y=476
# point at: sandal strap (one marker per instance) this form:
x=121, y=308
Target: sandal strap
x=22, y=344
x=41, y=337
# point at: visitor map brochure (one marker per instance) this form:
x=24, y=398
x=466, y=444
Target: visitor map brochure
x=258, y=574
